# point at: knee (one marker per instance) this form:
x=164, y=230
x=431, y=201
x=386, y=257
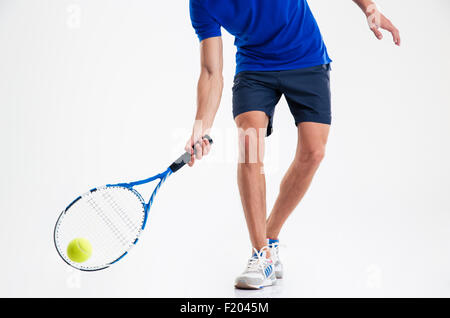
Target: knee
x=251, y=146
x=312, y=157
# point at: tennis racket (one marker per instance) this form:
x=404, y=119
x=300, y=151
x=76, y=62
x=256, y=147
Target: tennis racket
x=110, y=217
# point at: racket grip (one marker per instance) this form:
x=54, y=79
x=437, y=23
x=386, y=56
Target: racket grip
x=185, y=158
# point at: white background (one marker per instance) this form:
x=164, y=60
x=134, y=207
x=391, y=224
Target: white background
x=95, y=92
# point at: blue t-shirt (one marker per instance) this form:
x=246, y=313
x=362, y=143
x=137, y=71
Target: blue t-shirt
x=270, y=35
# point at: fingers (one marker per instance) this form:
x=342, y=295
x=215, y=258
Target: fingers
x=188, y=149
x=397, y=39
x=191, y=163
x=377, y=32
x=392, y=29
x=202, y=148
x=395, y=34
x=197, y=150
x=189, y=144
x=388, y=26
x=206, y=146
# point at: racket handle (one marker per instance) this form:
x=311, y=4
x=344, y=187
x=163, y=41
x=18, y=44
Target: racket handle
x=185, y=158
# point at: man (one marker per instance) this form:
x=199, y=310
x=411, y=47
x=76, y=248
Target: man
x=280, y=51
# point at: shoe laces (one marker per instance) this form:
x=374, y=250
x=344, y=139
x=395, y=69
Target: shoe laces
x=258, y=261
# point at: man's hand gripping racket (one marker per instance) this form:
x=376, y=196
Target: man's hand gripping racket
x=110, y=218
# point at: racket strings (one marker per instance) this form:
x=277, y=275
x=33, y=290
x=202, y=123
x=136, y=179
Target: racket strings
x=119, y=210
x=98, y=210
x=110, y=218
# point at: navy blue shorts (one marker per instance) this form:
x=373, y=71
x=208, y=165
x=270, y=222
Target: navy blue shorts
x=307, y=92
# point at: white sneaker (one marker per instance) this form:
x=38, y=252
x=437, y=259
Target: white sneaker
x=274, y=247
x=259, y=272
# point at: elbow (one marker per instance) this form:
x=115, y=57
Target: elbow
x=213, y=76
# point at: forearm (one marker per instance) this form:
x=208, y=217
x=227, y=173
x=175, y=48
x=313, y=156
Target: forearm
x=365, y=5
x=209, y=93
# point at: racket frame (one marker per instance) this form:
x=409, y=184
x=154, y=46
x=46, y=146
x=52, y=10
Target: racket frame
x=174, y=167
x=128, y=186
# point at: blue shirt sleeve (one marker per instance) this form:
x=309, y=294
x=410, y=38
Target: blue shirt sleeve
x=203, y=22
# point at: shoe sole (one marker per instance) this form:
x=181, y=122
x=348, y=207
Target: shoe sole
x=242, y=284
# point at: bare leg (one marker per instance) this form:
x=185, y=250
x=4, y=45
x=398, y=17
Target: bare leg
x=251, y=180
x=312, y=139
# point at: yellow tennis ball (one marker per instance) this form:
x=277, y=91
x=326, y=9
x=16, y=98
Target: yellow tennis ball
x=79, y=250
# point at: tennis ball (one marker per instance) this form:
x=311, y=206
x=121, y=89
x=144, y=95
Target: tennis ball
x=79, y=250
